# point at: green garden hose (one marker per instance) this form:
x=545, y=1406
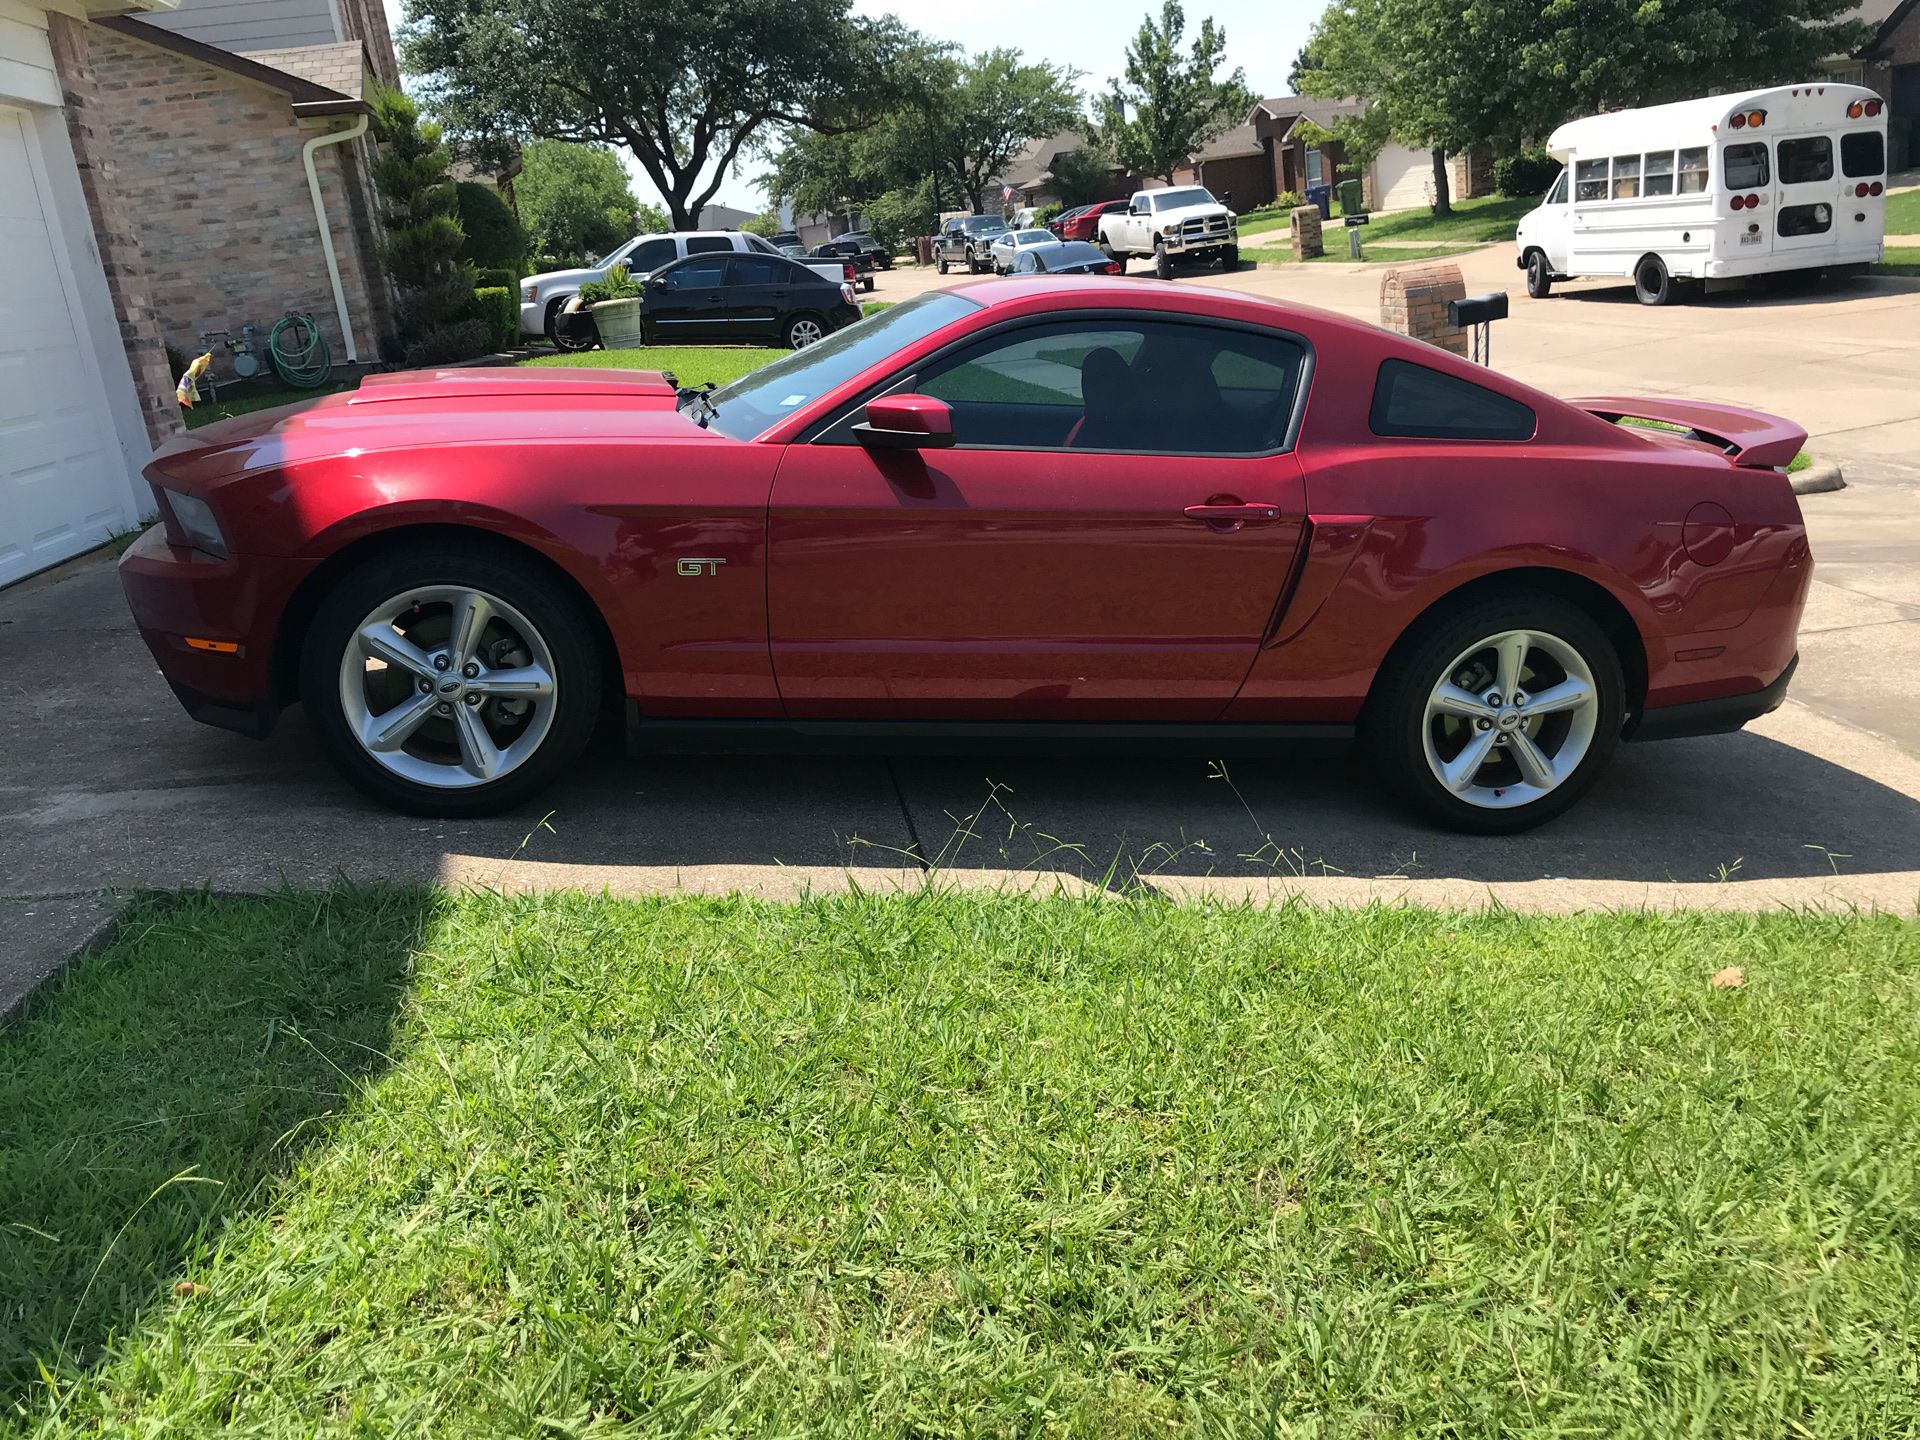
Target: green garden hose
x=299, y=352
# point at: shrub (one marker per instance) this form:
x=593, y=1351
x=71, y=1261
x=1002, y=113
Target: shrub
x=489, y=278
x=495, y=237
x=1045, y=214
x=418, y=211
x=499, y=306
x=618, y=285
x=1526, y=172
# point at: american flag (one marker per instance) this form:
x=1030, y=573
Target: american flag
x=1006, y=194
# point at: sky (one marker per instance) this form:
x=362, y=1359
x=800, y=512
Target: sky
x=1091, y=36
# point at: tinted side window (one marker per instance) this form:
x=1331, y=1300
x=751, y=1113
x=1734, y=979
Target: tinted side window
x=709, y=271
x=1412, y=401
x=1807, y=160
x=650, y=255
x=1558, y=195
x=1146, y=387
x=1745, y=166
x=760, y=243
x=1863, y=153
x=762, y=270
x=707, y=244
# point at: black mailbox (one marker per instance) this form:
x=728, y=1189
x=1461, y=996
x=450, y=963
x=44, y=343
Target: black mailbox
x=1353, y=220
x=1477, y=310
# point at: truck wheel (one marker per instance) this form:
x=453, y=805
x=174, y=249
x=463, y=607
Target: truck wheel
x=1118, y=257
x=973, y=262
x=1162, y=261
x=941, y=264
x=1539, y=274
x=1230, y=257
x=1651, y=283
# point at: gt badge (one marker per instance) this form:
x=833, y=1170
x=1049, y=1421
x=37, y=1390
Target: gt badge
x=701, y=565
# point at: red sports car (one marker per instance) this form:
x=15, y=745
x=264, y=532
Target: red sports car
x=1034, y=508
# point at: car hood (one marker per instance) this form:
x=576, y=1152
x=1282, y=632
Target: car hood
x=1189, y=212
x=556, y=278
x=419, y=408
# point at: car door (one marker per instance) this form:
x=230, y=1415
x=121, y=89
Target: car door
x=688, y=300
x=759, y=294
x=1108, y=539
x=1806, y=194
x=1553, y=226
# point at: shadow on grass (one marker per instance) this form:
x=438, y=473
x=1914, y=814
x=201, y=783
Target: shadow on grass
x=166, y=1087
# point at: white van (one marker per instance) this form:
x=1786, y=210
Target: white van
x=1787, y=178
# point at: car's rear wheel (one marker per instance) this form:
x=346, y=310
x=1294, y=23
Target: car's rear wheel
x=1652, y=285
x=802, y=331
x=1498, y=714
x=1117, y=257
x=450, y=679
x=1539, y=275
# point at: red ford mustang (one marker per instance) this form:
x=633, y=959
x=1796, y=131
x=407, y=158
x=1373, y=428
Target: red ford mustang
x=1027, y=508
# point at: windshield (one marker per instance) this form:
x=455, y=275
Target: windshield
x=1175, y=199
x=1035, y=237
x=615, y=255
x=984, y=224
x=756, y=401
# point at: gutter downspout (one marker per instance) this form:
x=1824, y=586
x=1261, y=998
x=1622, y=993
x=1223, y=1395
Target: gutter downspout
x=332, y=137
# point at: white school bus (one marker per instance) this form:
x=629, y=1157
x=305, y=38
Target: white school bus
x=1791, y=178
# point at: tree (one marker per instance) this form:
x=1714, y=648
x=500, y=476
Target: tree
x=495, y=238
x=423, y=239
x=996, y=104
x=1171, y=104
x=1083, y=176
x=687, y=96
x=765, y=225
x=1447, y=75
x=575, y=200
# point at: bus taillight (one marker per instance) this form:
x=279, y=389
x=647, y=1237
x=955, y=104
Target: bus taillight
x=1873, y=107
x=1876, y=188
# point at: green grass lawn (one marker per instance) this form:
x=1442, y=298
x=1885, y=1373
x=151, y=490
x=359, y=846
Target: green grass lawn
x=1336, y=244
x=397, y=1163
x=240, y=400
x=691, y=364
x=1899, y=260
x=1478, y=222
x=1903, y=213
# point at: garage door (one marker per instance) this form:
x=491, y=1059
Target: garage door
x=63, y=483
x=1401, y=177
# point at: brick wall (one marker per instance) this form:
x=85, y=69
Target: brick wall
x=1249, y=177
x=1413, y=301
x=366, y=21
x=210, y=169
x=113, y=229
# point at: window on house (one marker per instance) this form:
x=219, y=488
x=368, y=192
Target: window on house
x=1590, y=180
x=1693, y=172
x=1626, y=177
x=1863, y=153
x=1412, y=401
x=1314, y=170
x=1746, y=166
x=1659, y=174
x=1806, y=161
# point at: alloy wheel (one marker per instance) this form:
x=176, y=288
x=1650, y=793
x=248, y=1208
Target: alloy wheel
x=803, y=333
x=1510, y=719
x=448, y=686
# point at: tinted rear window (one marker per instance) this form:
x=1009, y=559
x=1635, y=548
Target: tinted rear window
x=1412, y=401
x=1863, y=153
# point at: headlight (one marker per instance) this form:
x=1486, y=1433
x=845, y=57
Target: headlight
x=529, y=292
x=196, y=522
x=1172, y=229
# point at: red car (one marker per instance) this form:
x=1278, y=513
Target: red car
x=1034, y=508
x=1084, y=223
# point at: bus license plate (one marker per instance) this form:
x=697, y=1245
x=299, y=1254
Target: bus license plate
x=1751, y=239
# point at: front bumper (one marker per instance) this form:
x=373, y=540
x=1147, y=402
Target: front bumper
x=1218, y=240
x=533, y=317
x=179, y=596
x=1714, y=717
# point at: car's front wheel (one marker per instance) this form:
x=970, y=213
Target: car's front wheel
x=1539, y=275
x=450, y=678
x=1162, y=261
x=1498, y=714
x=941, y=265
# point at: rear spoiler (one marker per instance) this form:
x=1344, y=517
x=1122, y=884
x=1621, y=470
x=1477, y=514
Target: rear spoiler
x=1748, y=438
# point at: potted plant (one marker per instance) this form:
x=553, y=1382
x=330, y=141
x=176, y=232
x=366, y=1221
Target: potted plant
x=615, y=302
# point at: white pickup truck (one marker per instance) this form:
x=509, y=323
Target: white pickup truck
x=1170, y=225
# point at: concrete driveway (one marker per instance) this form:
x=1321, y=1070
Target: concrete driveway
x=105, y=786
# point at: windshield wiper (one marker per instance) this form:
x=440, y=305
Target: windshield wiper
x=700, y=395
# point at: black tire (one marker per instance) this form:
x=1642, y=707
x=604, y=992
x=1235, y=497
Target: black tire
x=1118, y=257
x=1394, y=725
x=790, y=331
x=575, y=344
x=1651, y=283
x=973, y=262
x=1230, y=258
x=1162, y=261
x=1539, y=275
x=866, y=283
x=941, y=265
x=554, y=610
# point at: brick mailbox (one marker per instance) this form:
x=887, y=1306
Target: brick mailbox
x=1306, y=232
x=1413, y=301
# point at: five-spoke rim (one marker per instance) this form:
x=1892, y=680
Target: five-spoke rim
x=1510, y=719
x=448, y=686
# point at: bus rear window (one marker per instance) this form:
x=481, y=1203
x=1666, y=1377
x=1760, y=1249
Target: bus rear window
x=1745, y=166
x=1863, y=153
x=1806, y=161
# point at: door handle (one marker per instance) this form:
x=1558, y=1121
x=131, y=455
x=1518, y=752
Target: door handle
x=1233, y=511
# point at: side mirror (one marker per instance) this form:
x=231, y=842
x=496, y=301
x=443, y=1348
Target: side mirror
x=906, y=422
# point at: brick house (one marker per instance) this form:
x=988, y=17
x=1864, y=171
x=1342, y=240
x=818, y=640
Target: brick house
x=1890, y=63
x=240, y=132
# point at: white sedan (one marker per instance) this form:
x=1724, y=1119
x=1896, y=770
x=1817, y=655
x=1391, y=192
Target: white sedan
x=1006, y=246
